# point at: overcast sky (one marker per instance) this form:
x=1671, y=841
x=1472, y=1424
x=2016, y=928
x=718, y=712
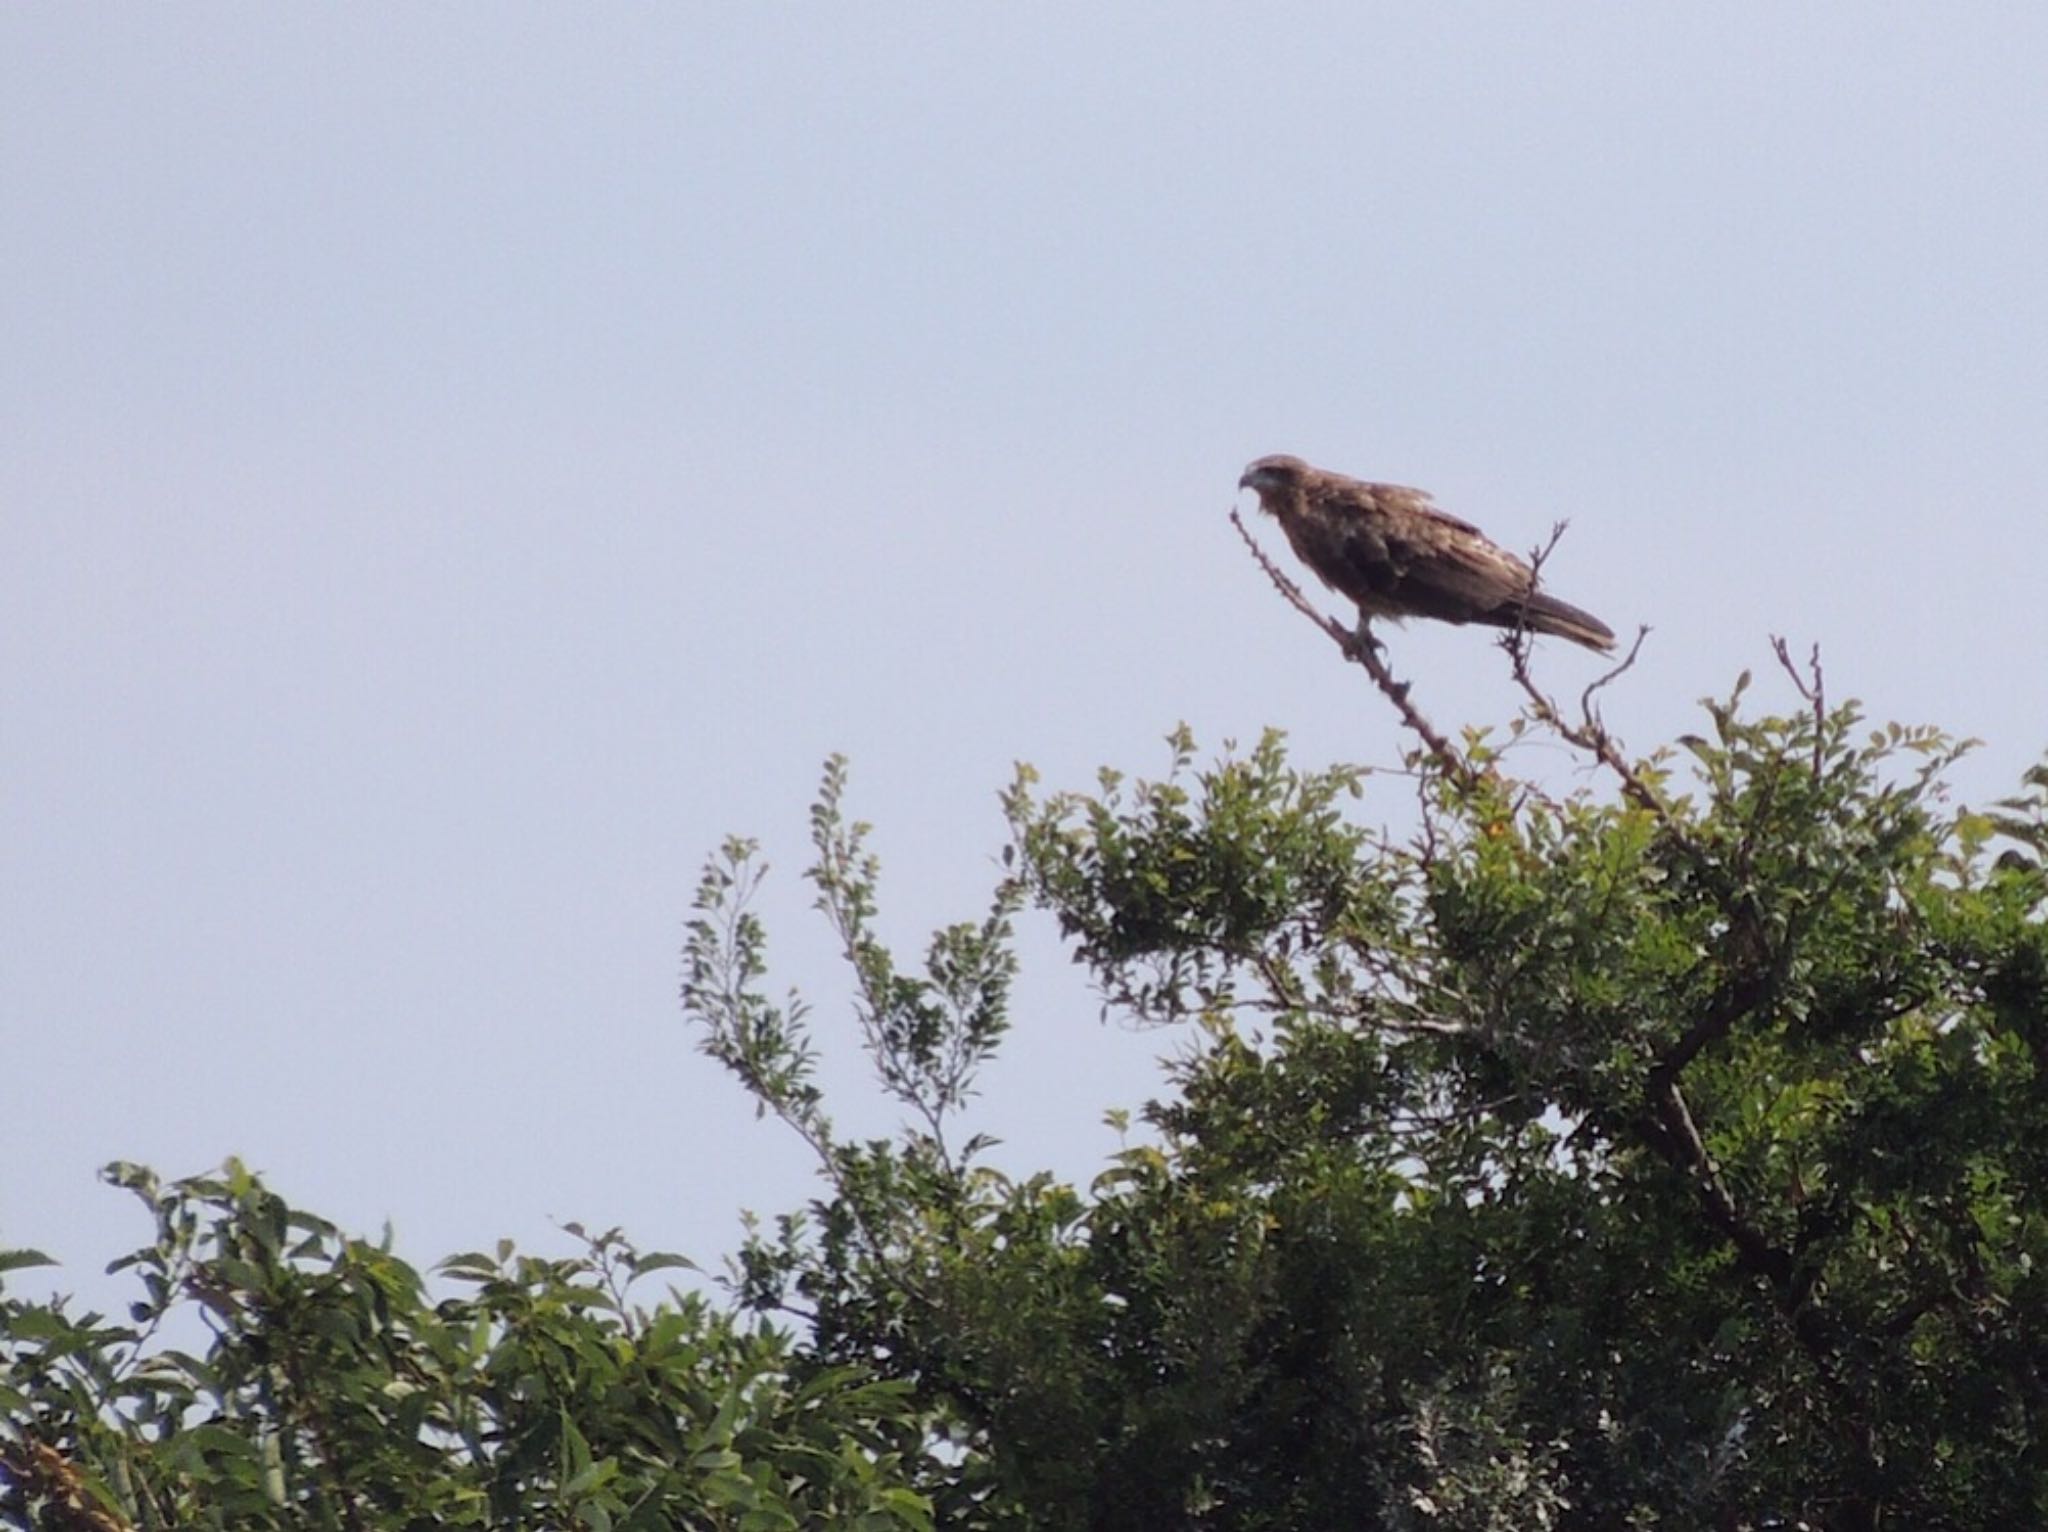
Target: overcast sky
x=457, y=462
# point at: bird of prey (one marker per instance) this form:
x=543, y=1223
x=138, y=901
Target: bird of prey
x=1394, y=553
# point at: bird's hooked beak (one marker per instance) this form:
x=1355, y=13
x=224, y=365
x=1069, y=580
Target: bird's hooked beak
x=1278, y=480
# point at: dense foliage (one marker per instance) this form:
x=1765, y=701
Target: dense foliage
x=1669, y=1158
x=333, y=1393
x=1664, y=1154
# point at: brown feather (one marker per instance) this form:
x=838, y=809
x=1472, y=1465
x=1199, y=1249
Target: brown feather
x=1394, y=553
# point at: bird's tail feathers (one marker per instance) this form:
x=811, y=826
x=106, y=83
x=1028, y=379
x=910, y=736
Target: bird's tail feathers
x=1547, y=614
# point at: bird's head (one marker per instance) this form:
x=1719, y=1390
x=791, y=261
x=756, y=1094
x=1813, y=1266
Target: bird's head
x=1276, y=480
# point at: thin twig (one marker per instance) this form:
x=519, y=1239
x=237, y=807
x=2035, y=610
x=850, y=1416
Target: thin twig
x=1589, y=734
x=1814, y=691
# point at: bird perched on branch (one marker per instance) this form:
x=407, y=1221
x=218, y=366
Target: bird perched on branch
x=1394, y=553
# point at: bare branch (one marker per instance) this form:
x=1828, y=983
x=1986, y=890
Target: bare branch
x=1590, y=733
x=1814, y=690
x=1612, y=674
x=1538, y=556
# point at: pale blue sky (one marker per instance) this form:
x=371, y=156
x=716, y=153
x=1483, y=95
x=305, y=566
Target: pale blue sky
x=456, y=462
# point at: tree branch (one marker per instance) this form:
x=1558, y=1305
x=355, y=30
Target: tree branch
x=1677, y=1138
x=42, y=1471
x=1814, y=691
x=1590, y=733
x=1669, y=1130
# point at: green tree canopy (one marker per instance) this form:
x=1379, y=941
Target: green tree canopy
x=1663, y=1153
x=334, y=1393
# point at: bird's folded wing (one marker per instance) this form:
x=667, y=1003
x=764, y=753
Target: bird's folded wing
x=1454, y=563
x=1401, y=502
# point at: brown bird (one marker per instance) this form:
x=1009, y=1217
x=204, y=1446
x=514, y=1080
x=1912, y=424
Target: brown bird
x=1394, y=553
